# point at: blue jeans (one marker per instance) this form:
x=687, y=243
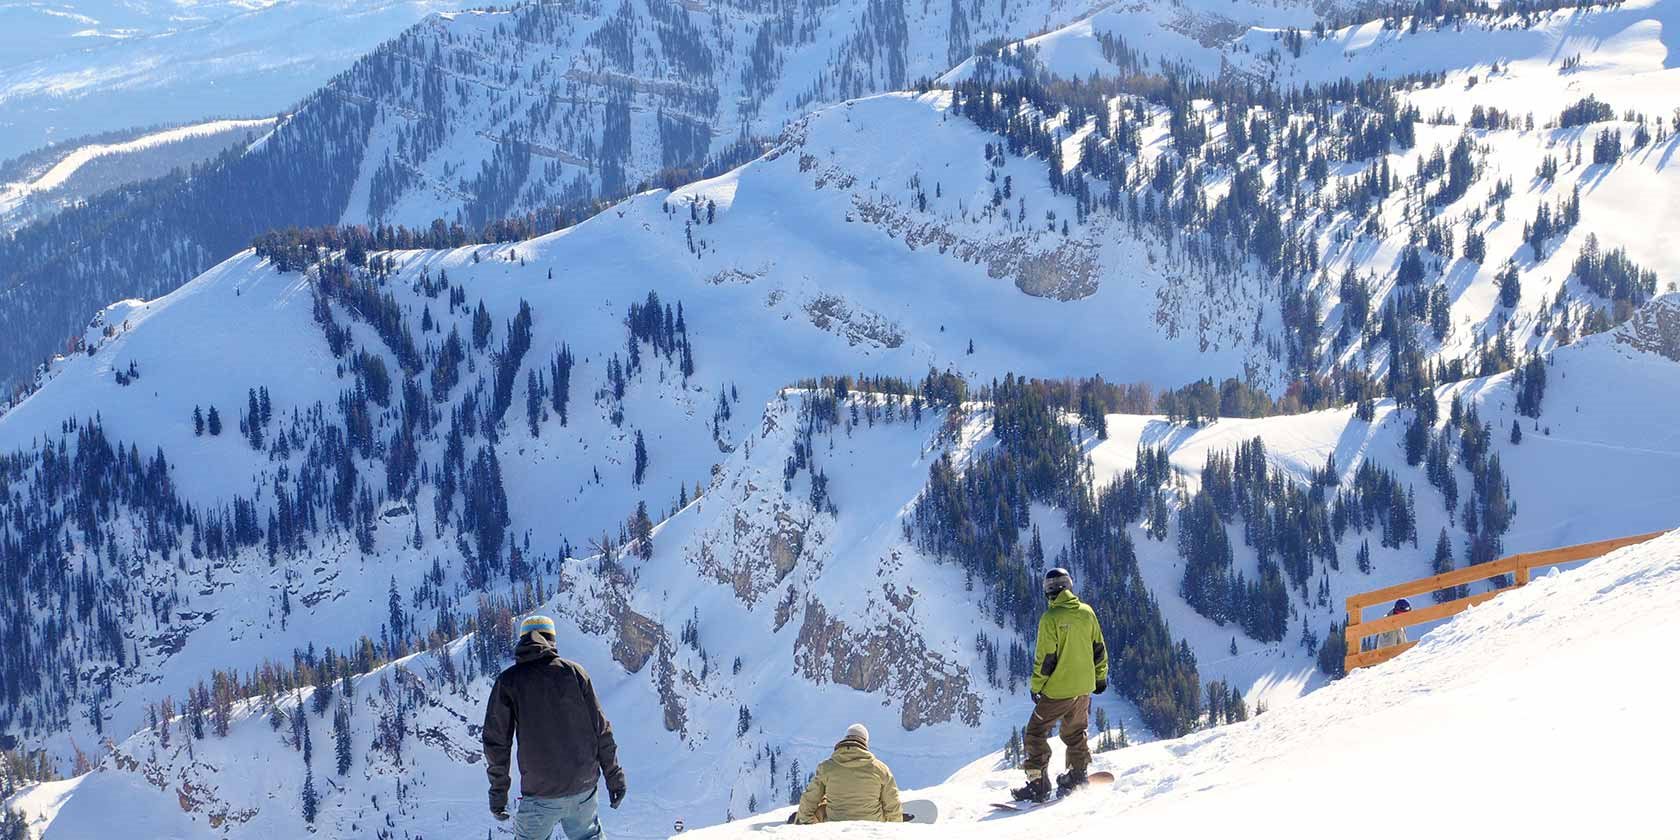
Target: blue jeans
x=574, y=814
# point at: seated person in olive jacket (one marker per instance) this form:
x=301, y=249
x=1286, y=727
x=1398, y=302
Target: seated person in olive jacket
x=565, y=743
x=851, y=785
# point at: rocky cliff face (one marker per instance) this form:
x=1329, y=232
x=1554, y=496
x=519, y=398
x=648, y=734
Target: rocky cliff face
x=756, y=538
x=890, y=659
x=1655, y=328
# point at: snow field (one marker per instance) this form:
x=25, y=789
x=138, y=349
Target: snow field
x=1541, y=699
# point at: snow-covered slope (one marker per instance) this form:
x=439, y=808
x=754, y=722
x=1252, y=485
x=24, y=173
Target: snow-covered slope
x=760, y=316
x=1516, y=696
x=405, y=492
x=763, y=574
x=564, y=104
x=1573, y=646
x=1602, y=461
x=75, y=67
x=822, y=251
x=1258, y=40
x=550, y=105
x=471, y=117
x=54, y=178
x=806, y=620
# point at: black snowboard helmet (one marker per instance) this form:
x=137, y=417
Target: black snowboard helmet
x=1056, y=580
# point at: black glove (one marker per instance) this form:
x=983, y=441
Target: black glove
x=1037, y=698
x=1102, y=686
x=615, y=787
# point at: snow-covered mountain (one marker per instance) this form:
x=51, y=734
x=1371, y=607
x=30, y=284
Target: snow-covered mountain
x=307, y=478
x=475, y=116
x=1493, y=696
x=383, y=142
x=205, y=567
x=39, y=185
x=70, y=68
x=805, y=615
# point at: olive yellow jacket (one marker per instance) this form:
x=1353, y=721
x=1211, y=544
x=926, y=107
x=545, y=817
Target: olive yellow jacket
x=851, y=785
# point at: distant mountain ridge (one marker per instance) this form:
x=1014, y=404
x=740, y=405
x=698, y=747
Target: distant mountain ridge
x=474, y=116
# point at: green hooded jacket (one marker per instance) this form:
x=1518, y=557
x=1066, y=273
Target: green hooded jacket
x=851, y=785
x=1071, y=655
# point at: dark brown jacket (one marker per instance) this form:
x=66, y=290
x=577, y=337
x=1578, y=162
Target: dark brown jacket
x=565, y=743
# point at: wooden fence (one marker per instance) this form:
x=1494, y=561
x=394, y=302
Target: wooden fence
x=1519, y=566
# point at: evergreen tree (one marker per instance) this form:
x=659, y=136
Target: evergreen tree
x=253, y=422
x=1236, y=707
x=1531, y=387
x=1510, y=286
x=641, y=459
x=533, y=403
x=13, y=826
x=341, y=737
x=198, y=422
x=213, y=422
x=1417, y=440
x=641, y=530
x=560, y=380
x=311, y=800
x=481, y=327
x=1332, y=653
x=393, y=601
x=1442, y=564
x=796, y=783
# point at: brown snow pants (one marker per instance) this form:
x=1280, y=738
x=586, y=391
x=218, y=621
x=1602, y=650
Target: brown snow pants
x=1073, y=715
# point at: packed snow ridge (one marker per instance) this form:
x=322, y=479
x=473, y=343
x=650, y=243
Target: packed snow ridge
x=1545, y=700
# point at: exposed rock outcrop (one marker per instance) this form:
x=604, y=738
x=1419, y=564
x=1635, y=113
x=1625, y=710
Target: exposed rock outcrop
x=1065, y=271
x=637, y=637
x=765, y=537
x=891, y=660
x=1655, y=328
x=834, y=314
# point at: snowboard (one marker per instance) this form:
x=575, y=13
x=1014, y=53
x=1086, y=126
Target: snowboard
x=920, y=811
x=917, y=811
x=1101, y=777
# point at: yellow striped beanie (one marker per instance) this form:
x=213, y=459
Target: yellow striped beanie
x=537, y=624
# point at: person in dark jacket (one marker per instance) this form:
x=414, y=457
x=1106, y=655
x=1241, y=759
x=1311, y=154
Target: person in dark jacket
x=1397, y=636
x=565, y=743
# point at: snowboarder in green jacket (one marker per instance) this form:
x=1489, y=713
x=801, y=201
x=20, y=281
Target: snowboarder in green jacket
x=1070, y=664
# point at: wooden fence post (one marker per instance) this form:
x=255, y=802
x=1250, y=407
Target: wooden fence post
x=1519, y=566
x=1351, y=642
